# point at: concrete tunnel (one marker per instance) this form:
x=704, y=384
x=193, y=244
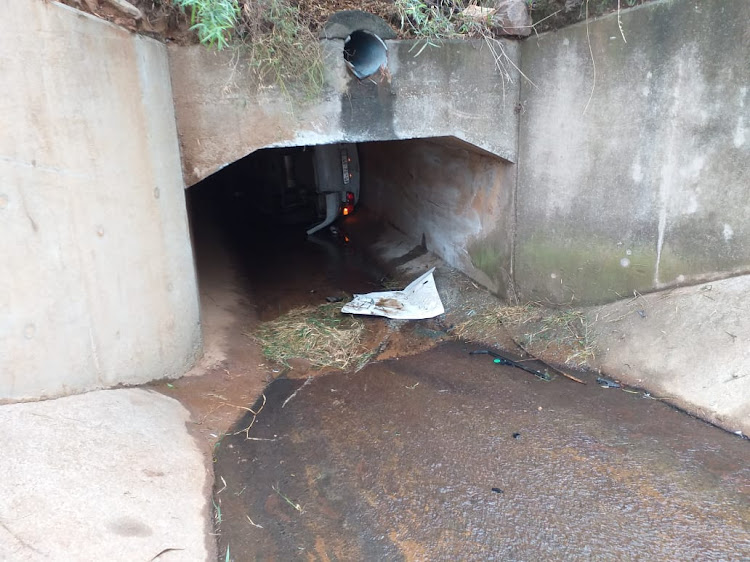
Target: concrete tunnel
x=433, y=142
x=437, y=194
x=415, y=166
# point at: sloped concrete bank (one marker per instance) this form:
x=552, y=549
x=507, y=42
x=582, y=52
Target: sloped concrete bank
x=106, y=475
x=689, y=346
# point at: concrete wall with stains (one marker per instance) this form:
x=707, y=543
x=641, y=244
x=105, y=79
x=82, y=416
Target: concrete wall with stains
x=223, y=113
x=97, y=285
x=634, y=167
x=452, y=196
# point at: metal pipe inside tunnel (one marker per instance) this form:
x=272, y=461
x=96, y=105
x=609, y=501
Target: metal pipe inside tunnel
x=365, y=53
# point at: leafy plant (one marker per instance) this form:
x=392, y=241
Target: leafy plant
x=279, y=44
x=432, y=21
x=213, y=20
x=429, y=23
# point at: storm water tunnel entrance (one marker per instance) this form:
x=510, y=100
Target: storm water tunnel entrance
x=297, y=224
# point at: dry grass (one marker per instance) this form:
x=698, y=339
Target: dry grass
x=485, y=323
x=543, y=332
x=568, y=331
x=319, y=334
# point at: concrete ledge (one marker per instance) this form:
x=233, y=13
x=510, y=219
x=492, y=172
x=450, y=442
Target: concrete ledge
x=108, y=475
x=689, y=345
x=454, y=90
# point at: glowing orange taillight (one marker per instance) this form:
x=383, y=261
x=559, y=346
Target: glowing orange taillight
x=347, y=210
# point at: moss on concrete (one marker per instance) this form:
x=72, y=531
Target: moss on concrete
x=582, y=270
x=594, y=270
x=491, y=256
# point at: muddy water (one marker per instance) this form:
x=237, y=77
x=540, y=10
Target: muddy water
x=446, y=456
x=295, y=271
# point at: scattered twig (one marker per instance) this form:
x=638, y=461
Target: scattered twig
x=225, y=485
x=254, y=524
x=238, y=407
x=164, y=552
x=309, y=379
x=255, y=417
x=593, y=63
x=619, y=22
x=296, y=506
x=21, y=541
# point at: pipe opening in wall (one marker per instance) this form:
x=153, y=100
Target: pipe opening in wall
x=364, y=53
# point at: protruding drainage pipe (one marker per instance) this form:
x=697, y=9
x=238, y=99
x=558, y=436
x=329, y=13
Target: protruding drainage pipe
x=364, y=53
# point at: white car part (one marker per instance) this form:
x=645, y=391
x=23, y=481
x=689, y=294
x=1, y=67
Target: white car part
x=332, y=212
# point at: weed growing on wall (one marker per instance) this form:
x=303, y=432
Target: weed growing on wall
x=213, y=20
x=433, y=21
x=270, y=34
x=429, y=23
x=277, y=37
x=282, y=48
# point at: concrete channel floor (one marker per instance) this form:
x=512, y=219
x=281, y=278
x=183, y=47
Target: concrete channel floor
x=108, y=475
x=447, y=456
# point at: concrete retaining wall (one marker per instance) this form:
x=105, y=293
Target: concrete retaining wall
x=456, y=199
x=454, y=90
x=637, y=179
x=97, y=284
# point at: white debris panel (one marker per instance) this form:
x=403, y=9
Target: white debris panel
x=419, y=300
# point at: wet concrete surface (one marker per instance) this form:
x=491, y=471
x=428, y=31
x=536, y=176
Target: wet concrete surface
x=447, y=456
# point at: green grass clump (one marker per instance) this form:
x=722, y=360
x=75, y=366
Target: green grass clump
x=213, y=20
x=429, y=23
x=282, y=48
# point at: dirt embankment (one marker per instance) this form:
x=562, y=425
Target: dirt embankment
x=164, y=21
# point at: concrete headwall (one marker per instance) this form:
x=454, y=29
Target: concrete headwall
x=453, y=90
x=456, y=199
x=634, y=167
x=97, y=285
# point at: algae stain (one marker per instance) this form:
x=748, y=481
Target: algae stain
x=488, y=255
x=587, y=271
